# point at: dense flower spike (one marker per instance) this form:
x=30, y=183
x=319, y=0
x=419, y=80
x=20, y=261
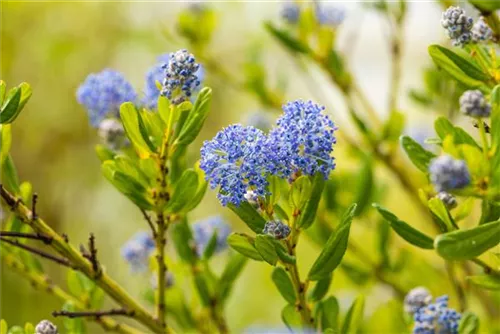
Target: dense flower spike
x=157, y=74
x=102, y=94
x=448, y=199
x=436, y=318
x=303, y=140
x=260, y=120
x=235, y=161
x=474, y=104
x=204, y=229
x=447, y=173
x=138, y=250
x=276, y=229
x=169, y=280
x=290, y=12
x=417, y=298
x=180, y=76
x=329, y=15
x=481, y=31
x=458, y=25
x=46, y=327
x=112, y=133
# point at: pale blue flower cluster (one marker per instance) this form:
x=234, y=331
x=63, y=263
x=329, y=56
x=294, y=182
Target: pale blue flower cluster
x=436, y=318
x=203, y=231
x=458, y=25
x=290, y=12
x=481, y=32
x=473, y=103
x=180, y=78
x=137, y=251
x=102, y=94
x=328, y=15
x=112, y=134
x=276, y=229
x=417, y=298
x=447, y=173
x=239, y=159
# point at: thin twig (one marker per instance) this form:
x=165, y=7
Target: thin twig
x=34, y=200
x=150, y=222
x=38, y=252
x=93, y=255
x=96, y=314
x=34, y=236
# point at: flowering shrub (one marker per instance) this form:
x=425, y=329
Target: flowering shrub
x=278, y=175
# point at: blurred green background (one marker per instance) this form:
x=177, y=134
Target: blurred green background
x=55, y=45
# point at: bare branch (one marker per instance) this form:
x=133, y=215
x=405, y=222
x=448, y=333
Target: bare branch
x=96, y=314
x=38, y=252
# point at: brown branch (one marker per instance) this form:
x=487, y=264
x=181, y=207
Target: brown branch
x=38, y=252
x=96, y=314
x=34, y=236
x=150, y=222
x=34, y=200
x=93, y=255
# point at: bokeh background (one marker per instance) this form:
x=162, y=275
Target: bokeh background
x=55, y=45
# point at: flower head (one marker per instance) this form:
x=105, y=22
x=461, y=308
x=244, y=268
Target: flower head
x=436, y=318
x=157, y=74
x=303, y=140
x=417, y=298
x=276, y=229
x=481, y=31
x=457, y=25
x=260, y=120
x=448, y=199
x=45, y=327
x=330, y=15
x=290, y=12
x=112, y=133
x=447, y=173
x=102, y=94
x=235, y=161
x=137, y=251
x=180, y=76
x=203, y=231
x=474, y=104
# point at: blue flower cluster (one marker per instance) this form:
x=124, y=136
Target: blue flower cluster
x=436, y=318
x=458, y=25
x=102, y=94
x=290, y=12
x=112, y=134
x=447, y=173
x=180, y=76
x=276, y=229
x=481, y=32
x=203, y=231
x=417, y=298
x=137, y=251
x=239, y=159
x=474, y=104
x=330, y=15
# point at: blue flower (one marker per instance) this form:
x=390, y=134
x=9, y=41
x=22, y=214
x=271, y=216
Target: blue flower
x=458, y=25
x=112, y=134
x=436, y=318
x=180, y=78
x=290, y=12
x=481, y=31
x=203, y=231
x=417, y=298
x=329, y=15
x=236, y=161
x=137, y=251
x=102, y=94
x=157, y=74
x=303, y=141
x=447, y=173
x=276, y=229
x=474, y=104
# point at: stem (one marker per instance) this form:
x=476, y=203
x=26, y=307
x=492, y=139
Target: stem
x=111, y=287
x=484, y=140
x=42, y=282
x=459, y=289
x=487, y=268
x=162, y=268
x=38, y=252
x=96, y=314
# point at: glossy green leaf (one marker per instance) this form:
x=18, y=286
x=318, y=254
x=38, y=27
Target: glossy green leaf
x=196, y=118
x=469, y=324
x=330, y=314
x=308, y=213
x=420, y=157
x=467, y=244
x=164, y=108
x=439, y=210
x=10, y=109
x=286, y=39
x=131, y=122
x=300, y=191
x=321, y=288
x=284, y=284
x=489, y=282
x=244, y=245
x=265, y=246
x=282, y=252
x=334, y=249
x=200, y=191
x=354, y=316
x=231, y=272
x=184, y=191
x=249, y=215
x=183, y=240
x=444, y=128
x=291, y=317
x=404, y=230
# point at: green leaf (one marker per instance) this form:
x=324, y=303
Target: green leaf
x=10, y=109
x=75, y=284
x=469, y=324
x=164, y=108
x=211, y=246
x=29, y=328
x=308, y=214
x=334, y=249
x=3, y=323
x=489, y=282
x=417, y=154
x=286, y=39
x=231, y=272
x=444, y=128
x=184, y=191
x=356, y=274
x=461, y=69
x=490, y=211
x=404, y=230
x=354, y=316
x=321, y=288
x=249, y=215
x=9, y=175
x=485, y=7
x=183, y=239
x=16, y=330
x=131, y=122
x=439, y=209
x=104, y=153
x=300, y=191
x=467, y=244
x=283, y=252
x=265, y=246
x=284, y=284
x=3, y=88
x=464, y=209
x=365, y=186
x=330, y=314
x=291, y=317
x=72, y=325
x=203, y=289
x=244, y=245
x=394, y=126
x=196, y=118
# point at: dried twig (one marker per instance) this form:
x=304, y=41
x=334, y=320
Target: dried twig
x=34, y=236
x=93, y=255
x=38, y=252
x=96, y=314
x=150, y=222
